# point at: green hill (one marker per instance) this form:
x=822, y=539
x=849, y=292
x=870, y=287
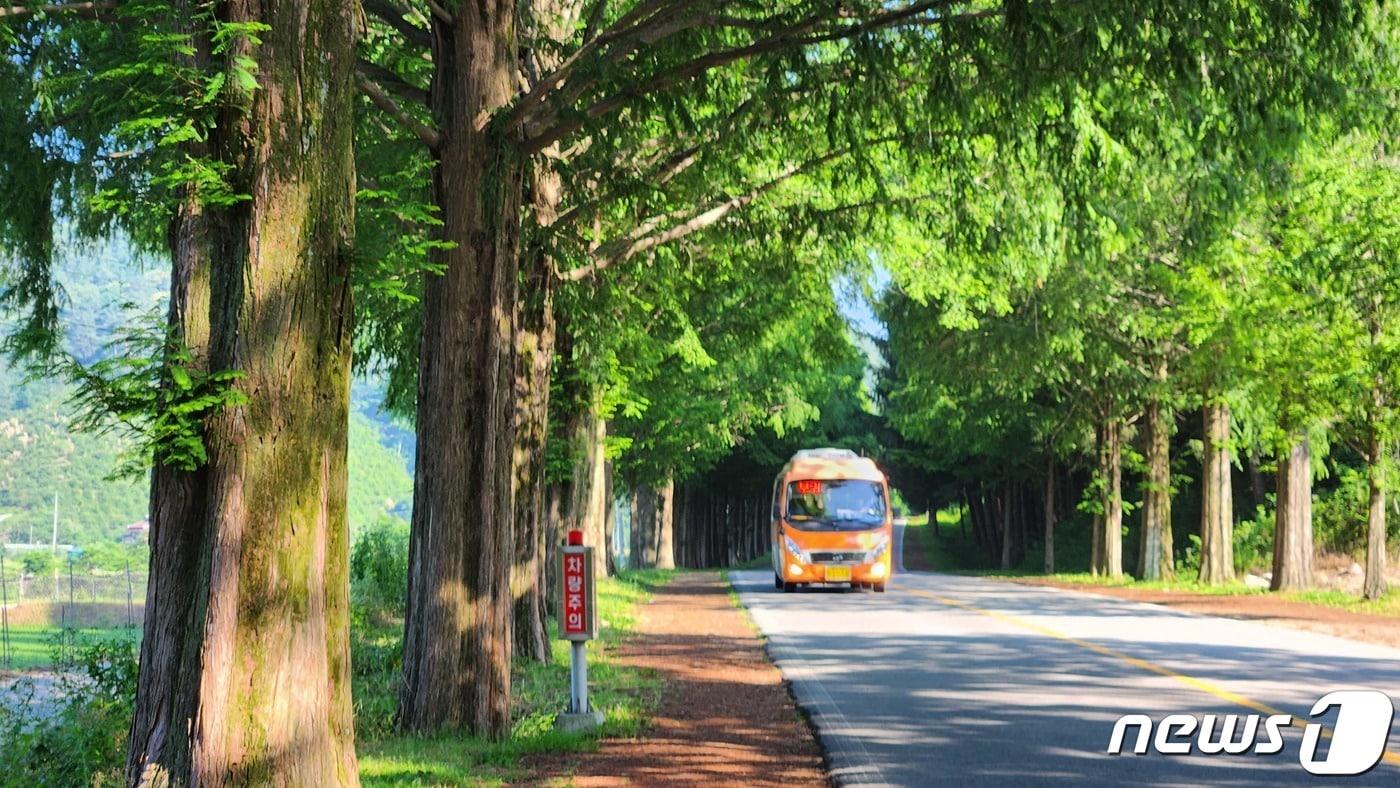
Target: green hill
x=40, y=457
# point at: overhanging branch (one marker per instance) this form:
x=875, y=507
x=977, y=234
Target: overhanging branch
x=388, y=79
x=386, y=12
x=646, y=237
x=539, y=132
x=427, y=134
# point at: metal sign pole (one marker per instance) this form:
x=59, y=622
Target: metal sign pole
x=578, y=677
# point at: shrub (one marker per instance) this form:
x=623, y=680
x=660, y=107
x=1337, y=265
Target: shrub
x=1254, y=542
x=1339, y=514
x=379, y=568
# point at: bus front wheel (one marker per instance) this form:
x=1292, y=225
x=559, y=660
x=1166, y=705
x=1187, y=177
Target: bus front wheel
x=879, y=588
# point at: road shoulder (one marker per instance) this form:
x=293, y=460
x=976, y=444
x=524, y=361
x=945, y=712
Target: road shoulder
x=1262, y=608
x=725, y=715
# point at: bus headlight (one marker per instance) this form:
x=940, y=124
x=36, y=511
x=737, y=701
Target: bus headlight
x=798, y=554
x=878, y=551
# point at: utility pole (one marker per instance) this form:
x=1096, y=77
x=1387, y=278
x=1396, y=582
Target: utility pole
x=53, y=549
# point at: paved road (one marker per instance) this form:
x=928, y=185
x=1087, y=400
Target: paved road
x=961, y=679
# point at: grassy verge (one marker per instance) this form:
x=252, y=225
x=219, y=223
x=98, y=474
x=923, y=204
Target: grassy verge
x=625, y=695
x=41, y=647
x=1389, y=605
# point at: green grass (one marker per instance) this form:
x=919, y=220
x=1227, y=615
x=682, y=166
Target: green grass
x=626, y=696
x=1388, y=605
x=34, y=647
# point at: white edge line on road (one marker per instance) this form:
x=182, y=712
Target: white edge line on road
x=850, y=762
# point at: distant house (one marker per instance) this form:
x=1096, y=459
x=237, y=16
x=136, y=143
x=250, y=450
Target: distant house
x=136, y=533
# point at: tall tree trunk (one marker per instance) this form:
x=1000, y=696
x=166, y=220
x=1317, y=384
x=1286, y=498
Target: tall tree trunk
x=587, y=505
x=1008, y=538
x=1109, y=556
x=665, y=511
x=457, y=642
x=644, y=522
x=1155, y=547
x=557, y=495
x=1217, y=506
x=1293, y=538
x=1048, y=500
x=609, y=519
x=534, y=356
x=246, y=661
x=177, y=589
x=1375, y=585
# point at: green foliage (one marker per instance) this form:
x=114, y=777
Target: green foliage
x=150, y=389
x=379, y=568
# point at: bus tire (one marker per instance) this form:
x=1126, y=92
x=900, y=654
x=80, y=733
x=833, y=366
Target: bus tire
x=879, y=588
x=788, y=588
x=777, y=579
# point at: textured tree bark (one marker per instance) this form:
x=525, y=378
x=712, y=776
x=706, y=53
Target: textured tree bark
x=178, y=583
x=1293, y=539
x=1048, y=499
x=1155, y=547
x=457, y=632
x=1375, y=584
x=587, y=505
x=1109, y=556
x=1217, y=505
x=245, y=675
x=665, y=524
x=534, y=351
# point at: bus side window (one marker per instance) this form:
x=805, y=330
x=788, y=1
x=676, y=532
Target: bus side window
x=777, y=488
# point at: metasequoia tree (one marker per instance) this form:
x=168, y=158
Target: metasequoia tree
x=239, y=126
x=1341, y=230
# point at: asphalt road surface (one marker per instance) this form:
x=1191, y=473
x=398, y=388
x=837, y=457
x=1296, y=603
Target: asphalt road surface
x=960, y=679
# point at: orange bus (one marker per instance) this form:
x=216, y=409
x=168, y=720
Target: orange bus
x=831, y=521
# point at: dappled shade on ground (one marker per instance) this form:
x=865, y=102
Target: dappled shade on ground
x=726, y=716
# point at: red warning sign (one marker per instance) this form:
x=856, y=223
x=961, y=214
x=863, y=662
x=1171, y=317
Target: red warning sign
x=576, y=619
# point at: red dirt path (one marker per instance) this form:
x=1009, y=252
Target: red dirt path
x=726, y=717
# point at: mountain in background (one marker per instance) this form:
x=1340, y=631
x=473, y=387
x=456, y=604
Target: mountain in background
x=40, y=457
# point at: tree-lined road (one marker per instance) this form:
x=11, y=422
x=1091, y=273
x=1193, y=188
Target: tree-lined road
x=952, y=678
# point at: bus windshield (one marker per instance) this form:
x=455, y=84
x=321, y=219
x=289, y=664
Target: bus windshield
x=835, y=504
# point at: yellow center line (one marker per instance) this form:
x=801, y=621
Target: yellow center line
x=1142, y=664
